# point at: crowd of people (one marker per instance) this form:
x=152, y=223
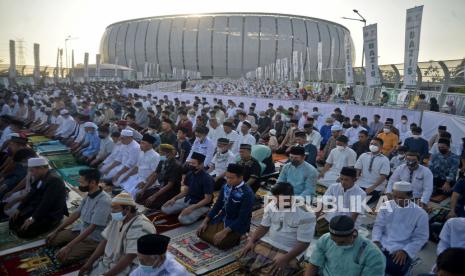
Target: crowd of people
x=205, y=162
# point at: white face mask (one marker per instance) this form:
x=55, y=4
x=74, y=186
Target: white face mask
x=386, y=130
x=340, y=147
x=404, y=121
x=416, y=136
x=401, y=156
x=374, y=148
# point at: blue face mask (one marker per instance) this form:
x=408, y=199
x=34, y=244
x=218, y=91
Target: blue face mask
x=148, y=268
x=117, y=216
x=162, y=158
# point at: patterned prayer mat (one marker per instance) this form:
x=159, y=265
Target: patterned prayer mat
x=200, y=257
x=257, y=217
x=10, y=240
x=164, y=223
x=62, y=161
x=38, y=139
x=71, y=175
x=228, y=269
x=35, y=261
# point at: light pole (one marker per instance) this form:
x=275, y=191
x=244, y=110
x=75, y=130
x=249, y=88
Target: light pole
x=66, y=48
x=361, y=19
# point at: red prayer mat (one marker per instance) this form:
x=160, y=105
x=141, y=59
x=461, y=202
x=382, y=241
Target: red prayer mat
x=34, y=262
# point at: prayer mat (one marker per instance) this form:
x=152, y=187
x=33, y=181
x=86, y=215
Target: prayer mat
x=10, y=240
x=438, y=198
x=38, y=139
x=279, y=158
x=35, y=261
x=71, y=175
x=200, y=257
x=163, y=222
x=61, y=161
x=257, y=217
x=228, y=269
x=320, y=189
x=52, y=147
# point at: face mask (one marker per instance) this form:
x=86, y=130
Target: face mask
x=101, y=137
x=84, y=189
x=412, y=163
x=345, y=246
x=117, y=216
x=148, y=268
x=355, y=126
x=162, y=158
x=339, y=147
x=401, y=156
x=404, y=121
x=374, y=148
x=444, y=151
x=386, y=130
x=416, y=136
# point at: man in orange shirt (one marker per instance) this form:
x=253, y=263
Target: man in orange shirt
x=390, y=140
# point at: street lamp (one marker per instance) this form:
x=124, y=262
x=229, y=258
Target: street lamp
x=66, y=48
x=361, y=19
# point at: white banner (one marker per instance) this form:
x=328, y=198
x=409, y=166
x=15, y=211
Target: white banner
x=97, y=65
x=36, y=61
x=12, y=70
x=348, y=55
x=332, y=59
x=130, y=63
x=302, y=76
x=295, y=64
x=286, y=69
x=412, y=46
x=370, y=43
x=320, y=59
x=116, y=67
x=146, y=69
x=308, y=63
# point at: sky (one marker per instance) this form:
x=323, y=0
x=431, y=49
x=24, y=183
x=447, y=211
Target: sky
x=49, y=22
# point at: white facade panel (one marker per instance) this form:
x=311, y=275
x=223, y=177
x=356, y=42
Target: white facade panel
x=139, y=47
x=220, y=34
x=151, y=41
x=130, y=43
x=267, y=40
x=120, y=44
x=235, y=46
x=284, y=38
x=163, y=46
x=205, y=50
x=190, y=43
x=250, y=58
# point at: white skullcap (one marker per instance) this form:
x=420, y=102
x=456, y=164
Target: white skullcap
x=48, y=109
x=336, y=128
x=64, y=112
x=273, y=132
x=127, y=133
x=90, y=124
x=402, y=186
x=37, y=162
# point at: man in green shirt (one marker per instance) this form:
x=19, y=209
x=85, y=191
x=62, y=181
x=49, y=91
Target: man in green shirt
x=343, y=252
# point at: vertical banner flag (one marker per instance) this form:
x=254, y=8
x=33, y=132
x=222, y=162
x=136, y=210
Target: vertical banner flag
x=146, y=69
x=370, y=42
x=56, y=71
x=412, y=45
x=72, y=63
x=130, y=63
x=332, y=59
x=286, y=69
x=12, y=70
x=301, y=61
x=278, y=69
x=86, y=65
x=320, y=59
x=348, y=55
x=116, y=67
x=97, y=65
x=36, y=61
x=295, y=64
x=308, y=63
x=158, y=71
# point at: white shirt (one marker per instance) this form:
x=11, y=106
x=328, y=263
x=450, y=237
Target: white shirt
x=233, y=138
x=215, y=133
x=129, y=154
x=205, y=147
x=66, y=127
x=422, y=181
x=404, y=130
x=287, y=228
x=314, y=138
x=5, y=135
x=380, y=166
x=115, y=154
x=352, y=134
x=247, y=139
x=350, y=198
x=341, y=158
x=169, y=268
x=106, y=147
x=221, y=162
x=452, y=234
x=147, y=163
x=398, y=228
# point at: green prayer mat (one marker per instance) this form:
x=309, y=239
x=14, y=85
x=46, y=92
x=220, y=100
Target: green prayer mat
x=38, y=139
x=62, y=161
x=71, y=175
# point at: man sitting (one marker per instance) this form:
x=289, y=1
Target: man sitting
x=106, y=147
x=401, y=229
x=346, y=191
x=452, y=235
x=94, y=213
x=343, y=252
x=290, y=231
x=163, y=184
x=222, y=158
x=194, y=200
x=44, y=206
x=311, y=150
x=230, y=217
x=341, y=156
x=154, y=259
x=146, y=164
x=418, y=175
x=300, y=174
x=372, y=169
x=116, y=253
x=91, y=145
x=252, y=169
